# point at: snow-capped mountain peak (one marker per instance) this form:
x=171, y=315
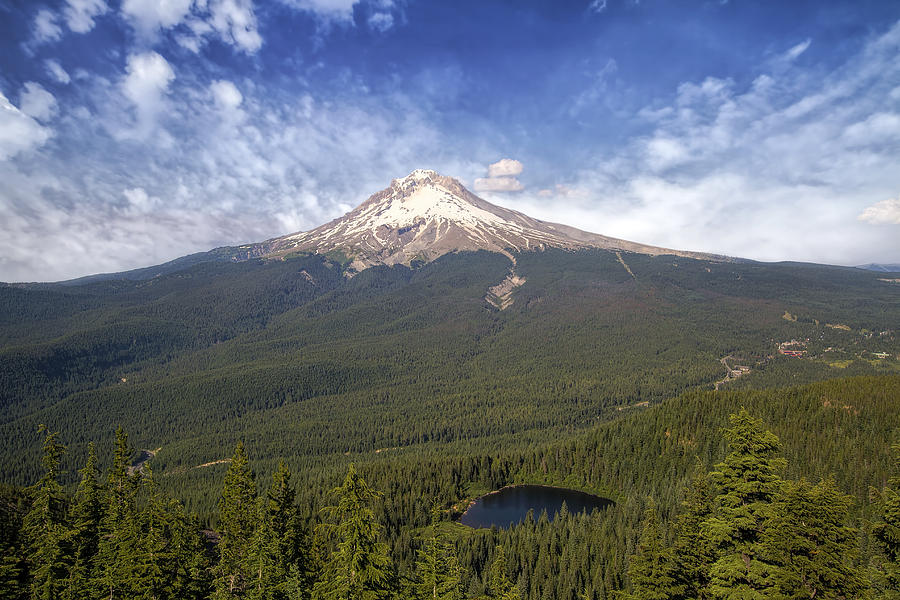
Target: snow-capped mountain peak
x=426, y=215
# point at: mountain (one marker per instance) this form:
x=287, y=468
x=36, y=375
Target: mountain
x=426, y=215
x=434, y=345
x=881, y=268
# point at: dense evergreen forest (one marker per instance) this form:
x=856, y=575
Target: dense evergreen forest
x=289, y=425
x=743, y=530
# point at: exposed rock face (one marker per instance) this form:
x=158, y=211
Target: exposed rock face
x=426, y=215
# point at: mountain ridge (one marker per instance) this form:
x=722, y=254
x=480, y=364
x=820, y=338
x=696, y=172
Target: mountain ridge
x=425, y=215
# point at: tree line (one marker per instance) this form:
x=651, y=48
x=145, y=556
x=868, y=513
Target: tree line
x=121, y=538
x=747, y=533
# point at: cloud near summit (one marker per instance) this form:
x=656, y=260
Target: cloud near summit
x=501, y=177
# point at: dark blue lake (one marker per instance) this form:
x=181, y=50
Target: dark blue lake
x=510, y=505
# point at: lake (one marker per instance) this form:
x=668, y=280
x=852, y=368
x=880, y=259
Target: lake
x=509, y=505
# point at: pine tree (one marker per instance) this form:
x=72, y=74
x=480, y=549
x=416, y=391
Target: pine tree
x=46, y=529
x=85, y=520
x=887, y=531
x=359, y=568
x=191, y=579
x=747, y=481
x=279, y=560
x=811, y=546
x=501, y=586
x=13, y=567
x=118, y=548
x=692, y=552
x=154, y=565
x=438, y=573
x=651, y=568
x=238, y=515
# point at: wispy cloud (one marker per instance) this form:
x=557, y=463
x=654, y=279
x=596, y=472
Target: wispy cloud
x=789, y=160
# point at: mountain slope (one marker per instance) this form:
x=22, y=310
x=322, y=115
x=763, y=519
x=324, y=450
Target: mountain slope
x=426, y=215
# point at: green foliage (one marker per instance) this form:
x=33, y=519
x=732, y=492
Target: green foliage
x=886, y=532
x=359, y=567
x=238, y=517
x=813, y=553
x=500, y=585
x=438, y=574
x=44, y=527
x=651, y=569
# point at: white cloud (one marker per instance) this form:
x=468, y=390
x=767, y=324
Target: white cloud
x=875, y=129
x=336, y=10
x=45, y=27
x=55, y=70
x=236, y=23
x=148, y=16
x=139, y=202
x=145, y=85
x=226, y=94
x=232, y=21
x=598, y=6
x=80, y=14
x=792, y=166
x=498, y=184
x=18, y=132
x=886, y=212
x=37, y=102
x=501, y=177
x=797, y=50
x=381, y=21
x=504, y=167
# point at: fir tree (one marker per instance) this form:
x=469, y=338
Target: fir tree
x=692, y=552
x=747, y=481
x=811, y=546
x=438, y=573
x=46, y=529
x=887, y=531
x=238, y=512
x=118, y=547
x=191, y=579
x=651, y=568
x=155, y=562
x=359, y=568
x=13, y=567
x=85, y=520
x=501, y=586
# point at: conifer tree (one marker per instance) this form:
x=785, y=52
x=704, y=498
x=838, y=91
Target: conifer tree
x=501, y=586
x=154, y=565
x=191, y=580
x=747, y=483
x=887, y=531
x=359, y=568
x=118, y=547
x=85, y=520
x=692, y=552
x=13, y=567
x=651, y=568
x=438, y=573
x=810, y=545
x=45, y=527
x=238, y=515
x=279, y=562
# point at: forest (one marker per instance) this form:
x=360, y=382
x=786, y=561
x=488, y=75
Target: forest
x=298, y=421
x=759, y=522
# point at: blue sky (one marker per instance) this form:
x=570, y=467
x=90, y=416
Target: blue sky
x=136, y=131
